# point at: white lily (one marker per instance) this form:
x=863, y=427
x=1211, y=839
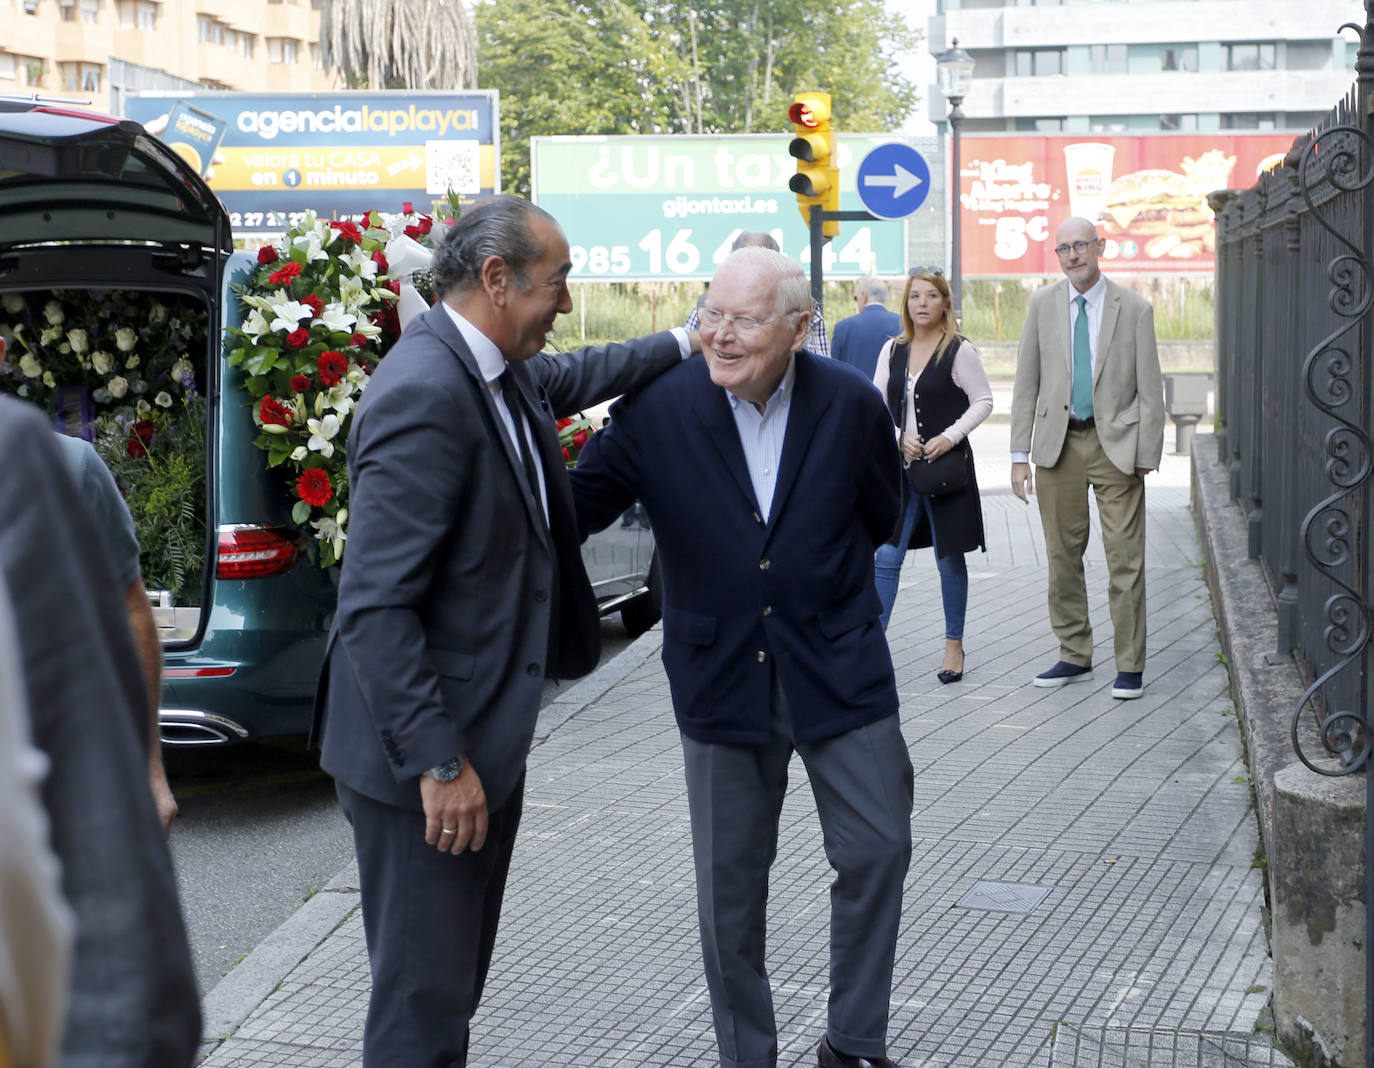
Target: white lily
x=321, y=430
x=332, y=530
x=163, y=399
x=337, y=317
x=289, y=314
x=299, y=453
x=312, y=244
x=363, y=265
x=256, y=324
x=339, y=399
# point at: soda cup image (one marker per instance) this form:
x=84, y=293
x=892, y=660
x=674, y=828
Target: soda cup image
x=1089, y=166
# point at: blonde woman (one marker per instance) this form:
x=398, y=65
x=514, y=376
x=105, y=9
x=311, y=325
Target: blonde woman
x=937, y=392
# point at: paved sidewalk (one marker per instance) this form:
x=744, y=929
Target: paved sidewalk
x=1082, y=889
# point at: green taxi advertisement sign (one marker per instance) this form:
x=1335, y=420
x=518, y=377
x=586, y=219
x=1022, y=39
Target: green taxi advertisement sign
x=640, y=208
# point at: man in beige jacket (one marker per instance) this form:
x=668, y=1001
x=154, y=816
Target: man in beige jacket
x=1088, y=409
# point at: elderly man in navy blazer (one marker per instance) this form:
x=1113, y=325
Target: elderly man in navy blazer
x=859, y=338
x=770, y=476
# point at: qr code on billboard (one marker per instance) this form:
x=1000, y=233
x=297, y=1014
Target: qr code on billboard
x=452, y=165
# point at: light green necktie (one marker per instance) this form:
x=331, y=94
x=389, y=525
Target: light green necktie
x=1082, y=362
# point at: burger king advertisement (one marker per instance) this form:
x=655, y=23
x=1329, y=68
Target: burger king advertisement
x=1147, y=194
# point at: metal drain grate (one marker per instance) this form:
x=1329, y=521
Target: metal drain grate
x=1004, y=897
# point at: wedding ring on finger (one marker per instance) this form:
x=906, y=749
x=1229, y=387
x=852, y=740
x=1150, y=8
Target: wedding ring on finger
x=447, y=831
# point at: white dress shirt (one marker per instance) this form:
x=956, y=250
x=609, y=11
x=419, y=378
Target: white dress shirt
x=761, y=434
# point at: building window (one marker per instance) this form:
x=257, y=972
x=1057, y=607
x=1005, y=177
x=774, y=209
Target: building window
x=1178, y=57
x=1109, y=124
x=67, y=10
x=208, y=31
x=281, y=50
x=246, y=45
x=8, y=70
x=1109, y=59
x=1041, y=125
x=1260, y=56
x=81, y=77
x=1039, y=62
x=1249, y=120
x=31, y=7
x=33, y=70
x=1178, y=122
x=88, y=10
x=147, y=15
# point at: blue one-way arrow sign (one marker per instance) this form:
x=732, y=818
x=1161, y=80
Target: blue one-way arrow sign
x=893, y=181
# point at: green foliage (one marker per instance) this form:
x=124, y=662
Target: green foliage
x=684, y=66
x=995, y=308
x=164, y=486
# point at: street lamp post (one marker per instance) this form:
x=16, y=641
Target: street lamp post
x=954, y=69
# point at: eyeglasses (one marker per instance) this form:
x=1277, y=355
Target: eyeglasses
x=924, y=270
x=743, y=324
x=1077, y=248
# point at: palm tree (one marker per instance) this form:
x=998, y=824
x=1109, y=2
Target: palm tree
x=400, y=44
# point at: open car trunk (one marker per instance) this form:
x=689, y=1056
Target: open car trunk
x=112, y=253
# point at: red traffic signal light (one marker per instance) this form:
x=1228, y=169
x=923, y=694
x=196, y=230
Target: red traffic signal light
x=817, y=181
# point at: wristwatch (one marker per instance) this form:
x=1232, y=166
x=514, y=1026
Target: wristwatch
x=447, y=771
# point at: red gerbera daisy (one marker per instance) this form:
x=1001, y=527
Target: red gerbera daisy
x=332, y=367
x=314, y=487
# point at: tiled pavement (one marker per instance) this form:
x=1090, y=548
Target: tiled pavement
x=1134, y=820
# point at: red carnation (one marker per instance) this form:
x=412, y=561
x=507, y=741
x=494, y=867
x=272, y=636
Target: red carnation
x=300, y=383
x=267, y=254
x=380, y=260
x=580, y=438
x=394, y=285
x=348, y=231
x=314, y=487
x=284, y=273
x=367, y=367
x=274, y=412
x=298, y=338
x=332, y=366
x=419, y=229
x=358, y=341
x=140, y=437
x=314, y=303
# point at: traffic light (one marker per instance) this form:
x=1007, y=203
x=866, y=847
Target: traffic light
x=817, y=180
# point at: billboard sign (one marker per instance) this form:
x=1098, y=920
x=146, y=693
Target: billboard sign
x=340, y=154
x=641, y=208
x=1147, y=194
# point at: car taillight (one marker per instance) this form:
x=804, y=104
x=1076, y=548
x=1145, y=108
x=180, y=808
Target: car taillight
x=255, y=552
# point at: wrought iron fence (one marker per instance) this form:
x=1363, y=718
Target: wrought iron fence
x=1295, y=395
x=1295, y=402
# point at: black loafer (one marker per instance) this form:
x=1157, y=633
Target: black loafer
x=828, y=1057
x=946, y=676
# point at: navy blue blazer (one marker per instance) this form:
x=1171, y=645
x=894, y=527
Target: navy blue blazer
x=743, y=598
x=858, y=338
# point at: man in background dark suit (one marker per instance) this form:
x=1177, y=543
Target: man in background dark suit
x=462, y=590
x=770, y=476
x=132, y=998
x=859, y=338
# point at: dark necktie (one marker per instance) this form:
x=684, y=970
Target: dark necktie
x=511, y=395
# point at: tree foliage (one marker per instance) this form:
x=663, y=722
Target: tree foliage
x=399, y=44
x=674, y=66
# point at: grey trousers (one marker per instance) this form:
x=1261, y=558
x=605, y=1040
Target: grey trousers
x=862, y=782
x=430, y=922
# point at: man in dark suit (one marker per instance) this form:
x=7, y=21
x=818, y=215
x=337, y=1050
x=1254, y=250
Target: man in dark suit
x=462, y=590
x=770, y=476
x=858, y=339
x=132, y=998
x=1089, y=390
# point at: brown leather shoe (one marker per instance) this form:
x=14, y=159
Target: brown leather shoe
x=828, y=1057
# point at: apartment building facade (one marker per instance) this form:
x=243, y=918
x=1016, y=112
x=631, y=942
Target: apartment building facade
x=1138, y=66
x=98, y=50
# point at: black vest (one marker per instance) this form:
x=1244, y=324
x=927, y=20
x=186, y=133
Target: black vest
x=938, y=401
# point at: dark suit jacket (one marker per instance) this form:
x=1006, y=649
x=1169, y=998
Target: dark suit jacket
x=456, y=599
x=858, y=338
x=133, y=996
x=741, y=597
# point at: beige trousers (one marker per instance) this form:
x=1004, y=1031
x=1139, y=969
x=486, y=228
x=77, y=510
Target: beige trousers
x=1063, y=494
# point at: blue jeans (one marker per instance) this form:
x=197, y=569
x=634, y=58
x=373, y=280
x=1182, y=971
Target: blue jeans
x=887, y=566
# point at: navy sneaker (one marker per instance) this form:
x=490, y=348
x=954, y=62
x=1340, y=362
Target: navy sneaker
x=1128, y=686
x=1064, y=673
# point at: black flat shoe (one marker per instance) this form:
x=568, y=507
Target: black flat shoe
x=946, y=676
